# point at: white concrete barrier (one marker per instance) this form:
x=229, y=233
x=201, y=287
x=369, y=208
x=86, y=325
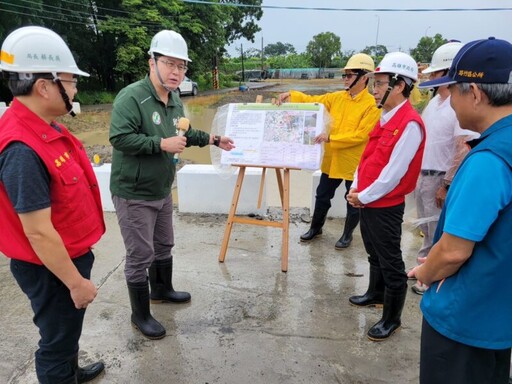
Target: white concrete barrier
x=103, y=175
x=3, y=108
x=202, y=189
x=338, y=203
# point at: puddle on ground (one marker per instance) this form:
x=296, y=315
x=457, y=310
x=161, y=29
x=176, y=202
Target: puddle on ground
x=92, y=127
x=201, y=116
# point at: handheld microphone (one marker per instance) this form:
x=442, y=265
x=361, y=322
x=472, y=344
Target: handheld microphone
x=183, y=126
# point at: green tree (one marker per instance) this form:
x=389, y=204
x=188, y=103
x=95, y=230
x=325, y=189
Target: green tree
x=293, y=60
x=252, y=52
x=426, y=47
x=96, y=49
x=377, y=52
x=279, y=49
x=241, y=21
x=341, y=61
x=206, y=28
x=15, y=14
x=323, y=48
x=111, y=37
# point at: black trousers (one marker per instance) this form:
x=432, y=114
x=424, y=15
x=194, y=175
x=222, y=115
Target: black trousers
x=381, y=229
x=443, y=360
x=327, y=189
x=59, y=322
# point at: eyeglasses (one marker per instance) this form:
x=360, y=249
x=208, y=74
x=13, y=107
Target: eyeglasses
x=54, y=80
x=73, y=82
x=348, y=75
x=378, y=83
x=173, y=66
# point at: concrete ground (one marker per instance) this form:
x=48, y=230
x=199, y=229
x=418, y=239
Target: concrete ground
x=248, y=322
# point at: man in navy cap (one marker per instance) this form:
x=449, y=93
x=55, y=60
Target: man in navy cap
x=467, y=333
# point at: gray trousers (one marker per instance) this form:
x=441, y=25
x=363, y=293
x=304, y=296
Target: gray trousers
x=428, y=213
x=148, y=235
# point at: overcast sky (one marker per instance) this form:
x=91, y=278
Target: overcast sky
x=396, y=30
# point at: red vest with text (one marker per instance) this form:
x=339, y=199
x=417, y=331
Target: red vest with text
x=378, y=152
x=76, y=211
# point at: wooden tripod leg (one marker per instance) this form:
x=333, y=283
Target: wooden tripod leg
x=286, y=219
x=262, y=185
x=232, y=212
x=280, y=184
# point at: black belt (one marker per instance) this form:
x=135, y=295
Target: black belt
x=431, y=172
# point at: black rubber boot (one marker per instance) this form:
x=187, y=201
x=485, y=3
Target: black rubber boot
x=374, y=296
x=73, y=365
x=141, y=316
x=351, y=222
x=317, y=222
x=89, y=372
x=70, y=380
x=391, y=316
x=160, y=279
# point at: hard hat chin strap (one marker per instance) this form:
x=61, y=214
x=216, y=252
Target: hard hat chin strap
x=158, y=74
x=359, y=75
x=436, y=89
x=391, y=85
x=64, y=94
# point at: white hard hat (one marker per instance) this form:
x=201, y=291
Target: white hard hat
x=37, y=50
x=169, y=43
x=398, y=63
x=443, y=57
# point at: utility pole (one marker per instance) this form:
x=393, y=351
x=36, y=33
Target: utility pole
x=215, y=72
x=242, y=53
x=377, y=34
x=262, y=66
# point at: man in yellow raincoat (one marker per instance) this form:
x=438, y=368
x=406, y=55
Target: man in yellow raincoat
x=354, y=114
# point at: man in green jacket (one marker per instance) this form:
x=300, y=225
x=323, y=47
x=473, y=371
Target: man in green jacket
x=144, y=134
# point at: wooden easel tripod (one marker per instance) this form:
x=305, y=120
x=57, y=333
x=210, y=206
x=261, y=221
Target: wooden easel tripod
x=284, y=192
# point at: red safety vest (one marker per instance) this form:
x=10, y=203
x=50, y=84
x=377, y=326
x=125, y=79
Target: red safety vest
x=76, y=210
x=378, y=152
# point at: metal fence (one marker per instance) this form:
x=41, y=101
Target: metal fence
x=303, y=73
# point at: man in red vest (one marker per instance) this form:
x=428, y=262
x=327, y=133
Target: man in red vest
x=388, y=171
x=50, y=207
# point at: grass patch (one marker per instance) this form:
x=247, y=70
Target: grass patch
x=95, y=97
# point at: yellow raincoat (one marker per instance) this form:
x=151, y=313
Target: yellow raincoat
x=352, y=121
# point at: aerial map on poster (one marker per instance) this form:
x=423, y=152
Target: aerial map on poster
x=277, y=136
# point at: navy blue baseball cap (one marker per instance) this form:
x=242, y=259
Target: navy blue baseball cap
x=480, y=61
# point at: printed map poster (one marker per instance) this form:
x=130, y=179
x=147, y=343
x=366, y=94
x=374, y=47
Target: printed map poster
x=278, y=136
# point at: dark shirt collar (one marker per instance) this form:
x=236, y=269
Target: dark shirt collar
x=171, y=102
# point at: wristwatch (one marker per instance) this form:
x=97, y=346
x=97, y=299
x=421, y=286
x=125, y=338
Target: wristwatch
x=216, y=140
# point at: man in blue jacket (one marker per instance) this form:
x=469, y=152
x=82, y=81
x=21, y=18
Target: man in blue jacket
x=467, y=333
